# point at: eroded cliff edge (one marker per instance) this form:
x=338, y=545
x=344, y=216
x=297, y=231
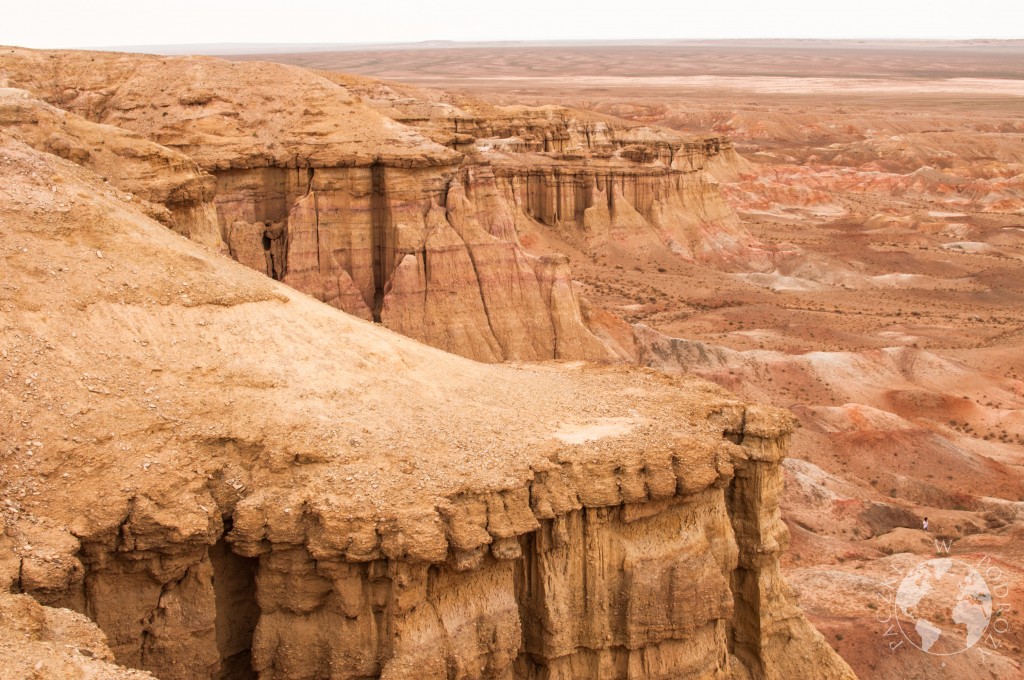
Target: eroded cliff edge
x=440, y=218
x=234, y=480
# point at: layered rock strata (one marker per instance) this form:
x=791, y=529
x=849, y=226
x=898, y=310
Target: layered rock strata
x=402, y=207
x=602, y=185
x=234, y=480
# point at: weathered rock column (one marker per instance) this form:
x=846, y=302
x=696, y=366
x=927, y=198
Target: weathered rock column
x=770, y=635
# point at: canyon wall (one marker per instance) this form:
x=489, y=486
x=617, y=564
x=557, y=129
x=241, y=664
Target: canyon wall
x=435, y=253
x=635, y=213
x=432, y=247
x=402, y=206
x=432, y=255
x=602, y=186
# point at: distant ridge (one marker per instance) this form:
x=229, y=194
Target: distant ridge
x=227, y=49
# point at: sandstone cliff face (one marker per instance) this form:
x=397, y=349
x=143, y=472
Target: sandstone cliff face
x=636, y=212
x=604, y=186
x=431, y=255
x=402, y=207
x=279, y=499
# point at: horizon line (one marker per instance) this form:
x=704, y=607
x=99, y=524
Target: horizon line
x=225, y=47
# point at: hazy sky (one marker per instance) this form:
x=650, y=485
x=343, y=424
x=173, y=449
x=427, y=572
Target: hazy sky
x=81, y=23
